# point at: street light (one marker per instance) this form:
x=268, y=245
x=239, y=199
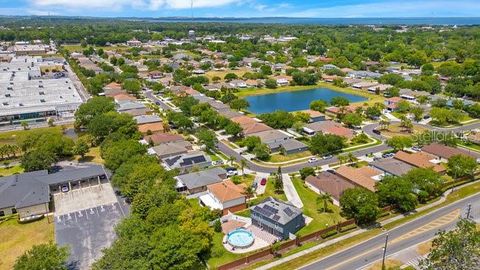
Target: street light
x=384, y=251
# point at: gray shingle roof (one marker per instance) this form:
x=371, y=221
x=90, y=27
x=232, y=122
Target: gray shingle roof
x=203, y=178
x=392, y=166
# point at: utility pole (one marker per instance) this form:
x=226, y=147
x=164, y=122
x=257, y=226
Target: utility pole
x=469, y=210
x=384, y=252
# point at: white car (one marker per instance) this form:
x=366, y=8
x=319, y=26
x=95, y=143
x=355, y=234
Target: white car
x=312, y=160
x=327, y=157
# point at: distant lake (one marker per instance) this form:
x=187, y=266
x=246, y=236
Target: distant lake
x=294, y=100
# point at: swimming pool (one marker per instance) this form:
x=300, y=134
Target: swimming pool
x=240, y=238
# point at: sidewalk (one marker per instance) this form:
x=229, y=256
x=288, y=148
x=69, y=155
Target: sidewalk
x=290, y=191
x=354, y=233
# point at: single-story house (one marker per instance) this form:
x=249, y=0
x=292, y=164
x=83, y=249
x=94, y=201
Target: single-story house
x=392, y=103
x=29, y=194
x=289, y=146
x=364, y=85
x=187, y=161
x=328, y=127
x=351, y=81
x=277, y=217
x=282, y=80
x=133, y=108
x=169, y=149
x=444, y=152
x=392, y=166
x=474, y=137
x=147, y=119
x=238, y=84
x=158, y=138
x=329, y=78
x=151, y=127
x=365, y=177
x=327, y=182
x=225, y=196
x=315, y=116
x=195, y=182
x=380, y=88
x=421, y=160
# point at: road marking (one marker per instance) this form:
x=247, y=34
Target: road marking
x=446, y=219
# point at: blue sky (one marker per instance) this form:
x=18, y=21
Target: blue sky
x=245, y=8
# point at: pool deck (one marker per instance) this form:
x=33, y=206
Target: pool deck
x=257, y=244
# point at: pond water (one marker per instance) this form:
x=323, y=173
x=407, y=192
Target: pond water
x=295, y=100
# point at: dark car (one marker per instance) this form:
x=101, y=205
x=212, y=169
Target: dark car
x=263, y=182
x=376, y=131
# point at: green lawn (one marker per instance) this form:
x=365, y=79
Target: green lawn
x=473, y=146
x=284, y=158
x=269, y=192
x=11, y=137
x=18, y=238
x=311, y=209
x=16, y=169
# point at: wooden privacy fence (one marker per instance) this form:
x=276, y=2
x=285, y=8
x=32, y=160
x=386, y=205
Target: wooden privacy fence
x=284, y=247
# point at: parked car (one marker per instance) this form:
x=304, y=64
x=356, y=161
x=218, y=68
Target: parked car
x=416, y=148
x=65, y=188
x=312, y=160
x=231, y=171
x=376, y=131
x=263, y=182
x=388, y=155
x=327, y=157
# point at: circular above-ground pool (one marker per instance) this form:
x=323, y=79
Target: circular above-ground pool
x=240, y=238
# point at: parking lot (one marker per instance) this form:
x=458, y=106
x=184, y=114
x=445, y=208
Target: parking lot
x=88, y=231
x=85, y=220
x=85, y=197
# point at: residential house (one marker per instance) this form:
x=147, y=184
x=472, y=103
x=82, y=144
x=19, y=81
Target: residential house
x=444, y=152
x=133, y=108
x=278, y=140
x=112, y=89
x=277, y=217
x=159, y=138
x=392, y=166
x=282, y=80
x=392, y=103
x=411, y=95
x=379, y=88
x=364, y=85
x=365, y=177
x=169, y=149
x=196, y=182
x=421, y=160
x=147, y=119
x=329, y=78
x=150, y=128
x=187, y=161
x=474, y=137
x=330, y=183
x=329, y=127
x=351, y=81
x=315, y=116
x=225, y=196
x=364, y=74
x=238, y=84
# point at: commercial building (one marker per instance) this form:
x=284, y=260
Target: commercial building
x=28, y=94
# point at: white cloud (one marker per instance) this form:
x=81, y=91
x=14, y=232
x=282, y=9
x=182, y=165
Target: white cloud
x=136, y=4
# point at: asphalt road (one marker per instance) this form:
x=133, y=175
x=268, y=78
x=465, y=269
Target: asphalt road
x=365, y=253
x=149, y=94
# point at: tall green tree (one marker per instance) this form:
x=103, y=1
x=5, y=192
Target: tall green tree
x=43, y=257
x=360, y=204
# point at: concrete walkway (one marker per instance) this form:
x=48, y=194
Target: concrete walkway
x=354, y=233
x=290, y=191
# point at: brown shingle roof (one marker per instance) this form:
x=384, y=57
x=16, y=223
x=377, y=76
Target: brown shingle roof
x=444, y=151
x=254, y=128
x=153, y=127
x=359, y=176
x=158, y=138
x=329, y=183
x=420, y=160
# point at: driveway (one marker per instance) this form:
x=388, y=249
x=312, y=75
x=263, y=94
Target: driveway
x=290, y=191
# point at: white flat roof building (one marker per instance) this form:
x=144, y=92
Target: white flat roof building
x=25, y=95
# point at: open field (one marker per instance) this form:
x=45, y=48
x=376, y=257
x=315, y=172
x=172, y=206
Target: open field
x=396, y=130
x=269, y=191
x=11, y=137
x=18, y=238
x=221, y=73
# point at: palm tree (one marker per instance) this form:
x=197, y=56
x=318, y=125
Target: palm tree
x=351, y=157
x=231, y=159
x=248, y=191
x=243, y=164
x=384, y=124
x=325, y=198
x=24, y=125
